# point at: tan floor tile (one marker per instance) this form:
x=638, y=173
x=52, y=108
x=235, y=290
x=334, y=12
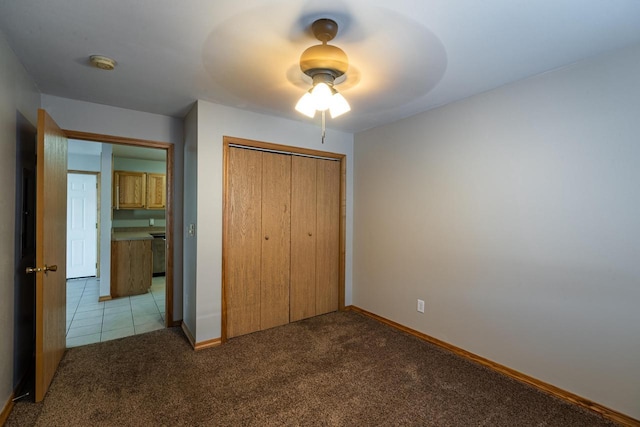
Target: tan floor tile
x=84, y=330
x=117, y=333
x=119, y=323
x=83, y=340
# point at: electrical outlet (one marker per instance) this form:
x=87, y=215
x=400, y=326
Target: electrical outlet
x=421, y=306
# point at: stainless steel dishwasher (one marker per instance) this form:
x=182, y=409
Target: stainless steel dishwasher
x=158, y=246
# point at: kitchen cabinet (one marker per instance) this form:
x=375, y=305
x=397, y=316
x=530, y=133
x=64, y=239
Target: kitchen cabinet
x=139, y=190
x=131, y=264
x=129, y=190
x=156, y=190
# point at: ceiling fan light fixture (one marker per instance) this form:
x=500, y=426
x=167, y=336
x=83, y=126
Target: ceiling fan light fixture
x=323, y=63
x=322, y=96
x=339, y=105
x=306, y=105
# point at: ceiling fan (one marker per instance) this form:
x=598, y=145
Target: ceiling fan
x=324, y=63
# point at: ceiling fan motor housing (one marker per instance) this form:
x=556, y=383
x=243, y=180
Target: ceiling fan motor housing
x=324, y=58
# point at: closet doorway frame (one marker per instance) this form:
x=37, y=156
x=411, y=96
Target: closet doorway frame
x=169, y=321
x=227, y=143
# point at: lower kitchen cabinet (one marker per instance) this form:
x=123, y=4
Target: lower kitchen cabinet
x=131, y=267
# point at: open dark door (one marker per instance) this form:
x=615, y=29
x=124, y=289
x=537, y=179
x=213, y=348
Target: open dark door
x=24, y=337
x=50, y=265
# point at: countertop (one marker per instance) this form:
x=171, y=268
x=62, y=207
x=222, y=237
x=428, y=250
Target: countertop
x=130, y=235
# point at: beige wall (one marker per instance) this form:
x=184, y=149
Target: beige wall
x=515, y=215
x=213, y=122
x=18, y=95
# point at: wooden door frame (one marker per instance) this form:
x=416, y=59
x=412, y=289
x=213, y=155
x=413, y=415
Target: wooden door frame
x=98, y=188
x=170, y=150
x=285, y=149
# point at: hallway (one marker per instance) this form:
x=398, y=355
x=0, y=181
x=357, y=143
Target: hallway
x=90, y=321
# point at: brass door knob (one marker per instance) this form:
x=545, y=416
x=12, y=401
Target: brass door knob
x=39, y=269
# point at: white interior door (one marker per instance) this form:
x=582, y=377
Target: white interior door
x=82, y=233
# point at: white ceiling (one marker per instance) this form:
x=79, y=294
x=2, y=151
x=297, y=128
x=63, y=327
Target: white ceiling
x=406, y=56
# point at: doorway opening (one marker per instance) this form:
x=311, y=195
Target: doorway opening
x=83, y=198
x=85, y=295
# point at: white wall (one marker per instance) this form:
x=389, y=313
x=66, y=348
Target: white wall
x=139, y=165
x=103, y=119
x=515, y=215
x=190, y=216
x=214, y=122
x=93, y=163
x=18, y=95
x=98, y=162
x=106, y=180
x=83, y=162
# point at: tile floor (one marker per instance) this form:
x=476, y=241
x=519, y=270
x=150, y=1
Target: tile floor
x=90, y=321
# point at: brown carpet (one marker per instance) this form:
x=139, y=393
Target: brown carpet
x=334, y=370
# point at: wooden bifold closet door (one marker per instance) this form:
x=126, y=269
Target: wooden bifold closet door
x=276, y=247
x=259, y=237
x=282, y=253
x=244, y=251
x=315, y=228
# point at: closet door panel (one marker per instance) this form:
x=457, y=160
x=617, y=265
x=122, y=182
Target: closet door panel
x=328, y=236
x=276, y=239
x=303, y=238
x=244, y=242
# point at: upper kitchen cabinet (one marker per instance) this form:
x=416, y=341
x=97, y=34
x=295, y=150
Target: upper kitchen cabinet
x=139, y=190
x=156, y=191
x=129, y=190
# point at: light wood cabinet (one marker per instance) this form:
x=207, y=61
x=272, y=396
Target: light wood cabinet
x=156, y=190
x=139, y=190
x=129, y=190
x=282, y=239
x=131, y=264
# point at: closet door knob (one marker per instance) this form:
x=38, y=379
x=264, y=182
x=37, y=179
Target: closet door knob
x=310, y=234
x=266, y=237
